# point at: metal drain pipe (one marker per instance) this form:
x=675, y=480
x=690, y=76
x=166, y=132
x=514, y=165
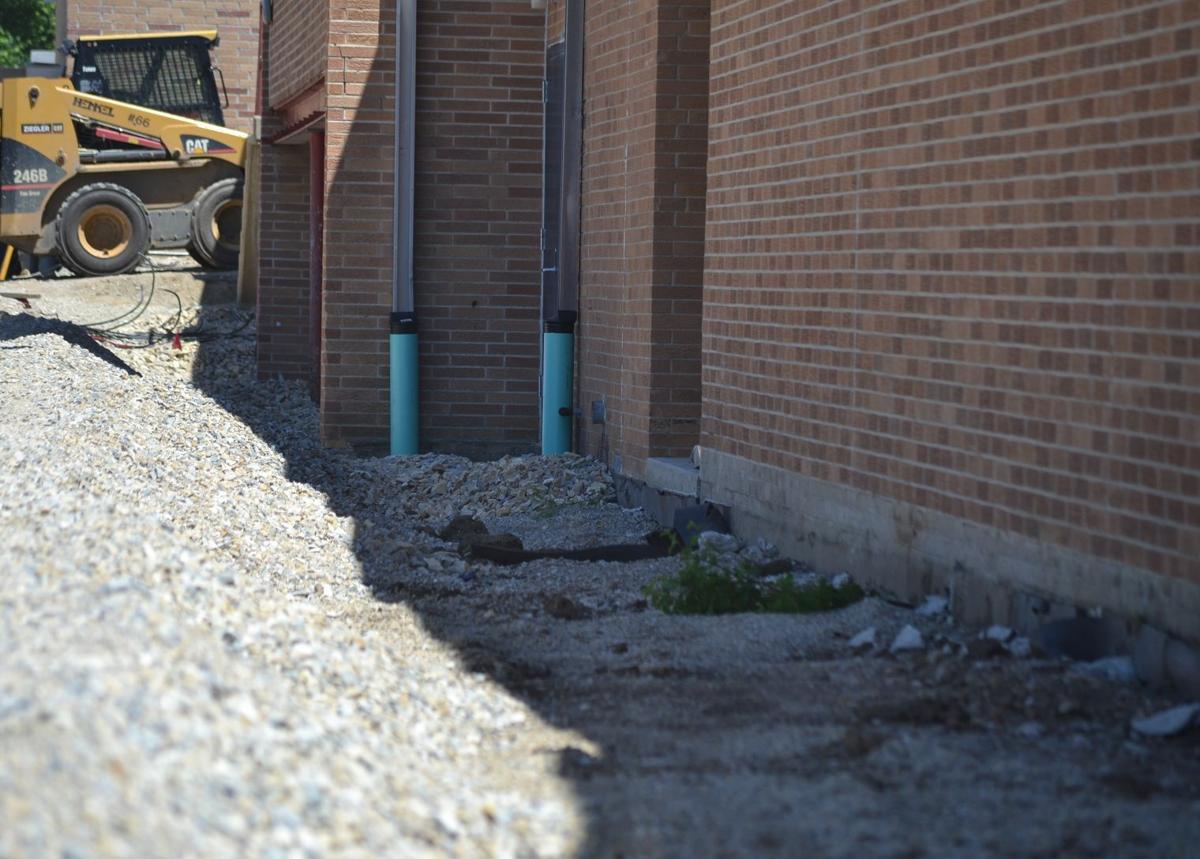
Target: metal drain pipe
x=558, y=333
x=403, y=395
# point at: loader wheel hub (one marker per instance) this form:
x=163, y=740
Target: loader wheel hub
x=227, y=224
x=105, y=231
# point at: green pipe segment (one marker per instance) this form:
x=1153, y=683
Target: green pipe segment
x=558, y=354
x=403, y=401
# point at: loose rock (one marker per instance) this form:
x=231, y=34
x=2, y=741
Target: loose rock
x=908, y=638
x=864, y=639
x=932, y=606
x=1167, y=723
x=565, y=608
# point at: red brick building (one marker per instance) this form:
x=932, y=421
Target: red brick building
x=235, y=20
x=922, y=282
x=331, y=74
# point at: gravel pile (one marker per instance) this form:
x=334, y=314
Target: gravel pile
x=186, y=670
x=221, y=639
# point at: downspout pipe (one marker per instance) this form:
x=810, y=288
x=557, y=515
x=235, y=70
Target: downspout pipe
x=403, y=392
x=558, y=332
x=316, y=253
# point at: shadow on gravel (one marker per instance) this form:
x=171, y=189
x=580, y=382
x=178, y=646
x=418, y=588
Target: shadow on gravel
x=455, y=611
x=701, y=742
x=460, y=612
x=19, y=325
x=745, y=737
x=609, y=778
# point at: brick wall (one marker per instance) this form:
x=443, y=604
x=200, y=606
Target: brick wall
x=613, y=346
x=235, y=20
x=680, y=177
x=283, y=200
x=478, y=216
x=283, y=274
x=477, y=270
x=645, y=97
x=358, y=220
x=952, y=261
x=298, y=48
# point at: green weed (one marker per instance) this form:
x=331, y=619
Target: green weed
x=708, y=583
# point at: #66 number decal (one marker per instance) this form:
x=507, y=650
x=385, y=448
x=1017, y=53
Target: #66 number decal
x=33, y=176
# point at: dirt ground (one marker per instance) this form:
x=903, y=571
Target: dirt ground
x=764, y=736
x=767, y=735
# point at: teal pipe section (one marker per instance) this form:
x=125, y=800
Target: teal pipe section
x=403, y=400
x=558, y=355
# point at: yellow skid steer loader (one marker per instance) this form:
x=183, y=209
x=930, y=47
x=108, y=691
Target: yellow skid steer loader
x=129, y=153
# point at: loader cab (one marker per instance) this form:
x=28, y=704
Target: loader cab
x=171, y=72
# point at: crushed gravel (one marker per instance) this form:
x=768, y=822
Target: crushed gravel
x=221, y=639
x=179, y=674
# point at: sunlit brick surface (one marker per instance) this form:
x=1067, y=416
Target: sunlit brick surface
x=952, y=259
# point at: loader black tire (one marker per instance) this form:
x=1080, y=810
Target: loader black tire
x=102, y=229
x=217, y=225
x=200, y=258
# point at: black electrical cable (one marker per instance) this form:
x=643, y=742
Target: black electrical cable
x=109, y=329
x=202, y=336
x=134, y=313
x=112, y=334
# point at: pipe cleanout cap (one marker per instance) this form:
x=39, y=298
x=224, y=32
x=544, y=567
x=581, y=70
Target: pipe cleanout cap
x=564, y=323
x=404, y=323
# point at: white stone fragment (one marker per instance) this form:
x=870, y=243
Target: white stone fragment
x=1118, y=669
x=933, y=605
x=761, y=551
x=908, y=638
x=864, y=639
x=1167, y=723
x=996, y=632
x=841, y=580
x=724, y=544
x=1019, y=647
